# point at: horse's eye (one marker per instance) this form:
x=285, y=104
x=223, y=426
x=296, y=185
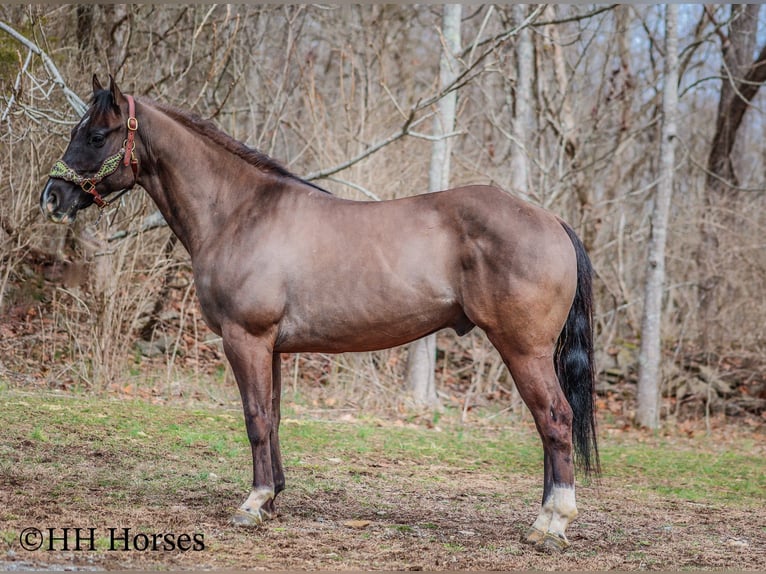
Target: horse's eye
x=96, y=140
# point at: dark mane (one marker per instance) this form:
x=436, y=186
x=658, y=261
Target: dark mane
x=103, y=100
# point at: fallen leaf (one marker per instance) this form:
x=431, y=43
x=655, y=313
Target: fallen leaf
x=358, y=524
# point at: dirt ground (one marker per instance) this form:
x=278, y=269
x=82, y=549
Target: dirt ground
x=387, y=516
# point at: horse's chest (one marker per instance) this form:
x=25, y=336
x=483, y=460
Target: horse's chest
x=237, y=296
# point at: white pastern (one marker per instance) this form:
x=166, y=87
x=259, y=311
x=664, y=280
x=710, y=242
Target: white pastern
x=546, y=513
x=256, y=500
x=564, y=509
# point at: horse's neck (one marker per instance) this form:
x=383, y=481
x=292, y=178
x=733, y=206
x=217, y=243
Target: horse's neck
x=188, y=177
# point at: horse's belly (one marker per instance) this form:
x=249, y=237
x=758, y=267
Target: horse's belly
x=343, y=330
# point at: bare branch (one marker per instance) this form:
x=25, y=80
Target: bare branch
x=17, y=85
x=406, y=129
x=152, y=221
x=433, y=138
x=714, y=176
x=322, y=173
x=577, y=18
x=355, y=186
x=532, y=21
x=74, y=100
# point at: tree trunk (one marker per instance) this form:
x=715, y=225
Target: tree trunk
x=523, y=113
x=421, y=363
x=735, y=93
x=647, y=412
x=84, y=26
x=117, y=48
x=742, y=79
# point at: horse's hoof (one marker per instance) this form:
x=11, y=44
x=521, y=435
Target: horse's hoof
x=533, y=535
x=250, y=519
x=553, y=544
x=258, y=508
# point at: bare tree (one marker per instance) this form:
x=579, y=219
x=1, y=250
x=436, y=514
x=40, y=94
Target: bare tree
x=741, y=79
x=116, y=49
x=647, y=411
x=523, y=116
x=421, y=363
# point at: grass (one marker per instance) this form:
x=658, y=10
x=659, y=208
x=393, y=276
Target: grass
x=453, y=496
x=176, y=448
x=703, y=469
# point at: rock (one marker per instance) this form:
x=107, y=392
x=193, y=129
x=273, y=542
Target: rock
x=148, y=348
x=155, y=347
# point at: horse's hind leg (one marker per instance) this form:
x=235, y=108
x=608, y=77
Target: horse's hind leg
x=536, y=380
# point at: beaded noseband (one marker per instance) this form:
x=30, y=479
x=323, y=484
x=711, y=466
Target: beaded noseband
x=88, y=184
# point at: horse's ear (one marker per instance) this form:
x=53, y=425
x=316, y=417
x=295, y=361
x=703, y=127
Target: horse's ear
x=117, y=96
x=96, y=84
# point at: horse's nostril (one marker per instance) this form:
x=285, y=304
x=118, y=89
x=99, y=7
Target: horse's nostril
x=49, y=200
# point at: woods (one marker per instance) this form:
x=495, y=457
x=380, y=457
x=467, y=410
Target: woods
x=566, y=106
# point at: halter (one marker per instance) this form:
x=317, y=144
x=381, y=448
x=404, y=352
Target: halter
x=88, y=184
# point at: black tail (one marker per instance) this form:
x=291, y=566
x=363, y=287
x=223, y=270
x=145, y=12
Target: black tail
x=574, y=363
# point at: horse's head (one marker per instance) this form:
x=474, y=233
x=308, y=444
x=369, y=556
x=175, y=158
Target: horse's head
x=99, y=159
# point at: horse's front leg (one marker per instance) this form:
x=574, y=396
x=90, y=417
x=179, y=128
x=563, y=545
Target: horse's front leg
x=250, y=357
x=277, y=470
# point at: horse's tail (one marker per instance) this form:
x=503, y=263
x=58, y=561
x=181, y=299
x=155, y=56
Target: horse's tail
x=574, y=363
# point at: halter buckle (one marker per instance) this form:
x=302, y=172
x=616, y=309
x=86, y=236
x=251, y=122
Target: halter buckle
x=132, y=124
x=88, y=186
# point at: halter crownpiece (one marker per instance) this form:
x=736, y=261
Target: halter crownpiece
x=61, y=170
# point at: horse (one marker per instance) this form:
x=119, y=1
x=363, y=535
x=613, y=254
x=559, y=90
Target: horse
x=282, y=266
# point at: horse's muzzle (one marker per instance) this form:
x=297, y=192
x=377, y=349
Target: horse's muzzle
x=51, y=205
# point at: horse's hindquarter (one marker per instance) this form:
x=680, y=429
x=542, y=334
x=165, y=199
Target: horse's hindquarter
x=520, y=269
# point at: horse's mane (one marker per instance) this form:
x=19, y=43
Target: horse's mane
x=102, y=101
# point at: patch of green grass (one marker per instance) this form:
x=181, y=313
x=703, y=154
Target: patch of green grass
x=38, y=434
x=9, y=536
x=175, y=449
x=456, y=446
x=697, y=470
